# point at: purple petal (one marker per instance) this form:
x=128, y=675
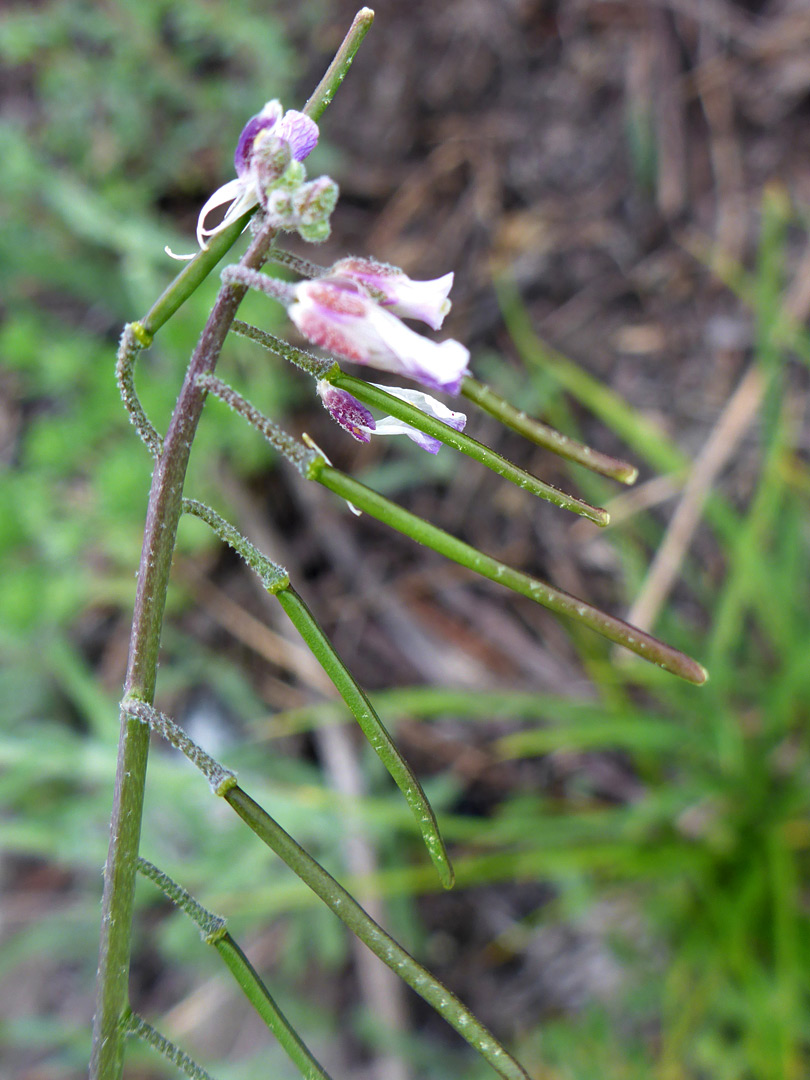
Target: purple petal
x=264, y=120
x=300, y=132
x=347, y=411
x=426, y=442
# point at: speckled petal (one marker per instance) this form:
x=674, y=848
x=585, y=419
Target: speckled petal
x=300, y=132
x=262, y=121
x=347, y=411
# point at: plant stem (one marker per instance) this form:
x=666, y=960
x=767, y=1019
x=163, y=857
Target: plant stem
x=381, y=944
x=214, y=933
x=334, y=75
x=163, y=514
x=562, y=603
x=403, y=410
x=546, y=436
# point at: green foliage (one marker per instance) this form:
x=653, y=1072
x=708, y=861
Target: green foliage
x=711, y=858
x=118, y=105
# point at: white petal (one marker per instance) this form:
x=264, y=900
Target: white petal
x=389, y=425
x=425, y=300
x=233, y=192
x=441, y=366
x=431, y=406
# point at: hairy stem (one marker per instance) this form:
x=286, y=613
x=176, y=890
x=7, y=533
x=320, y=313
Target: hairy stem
x=163, y=514
x=128, y=349
x=136, y=1025
x=214, y=933
x=306, y=361
x=294, y=451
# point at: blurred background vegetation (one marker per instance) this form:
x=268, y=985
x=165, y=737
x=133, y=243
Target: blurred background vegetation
x=622, y=190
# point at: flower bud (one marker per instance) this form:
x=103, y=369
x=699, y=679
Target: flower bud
x=272, y=156
x=316, y=200
x=269, y=152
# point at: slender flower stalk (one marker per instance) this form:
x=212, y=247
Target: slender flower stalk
x=615, y=630
x=277, y=582
x=545, y=436
x=213, y=932
x=313, y=365
x=294, y=451
x=299, y=265
x=372, y=934
x=128, y=349
x=218, y=777
x=137, y=1026
x=211, y=926
x=273, y=577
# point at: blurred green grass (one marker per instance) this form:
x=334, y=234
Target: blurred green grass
x=111, y=112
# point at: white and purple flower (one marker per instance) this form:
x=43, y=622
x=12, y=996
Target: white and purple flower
x=355, y=418
x=393, y=289
x=269, y=142
x=340, y=317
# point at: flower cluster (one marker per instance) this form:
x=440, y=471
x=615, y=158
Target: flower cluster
x=270, y=174
x=353, y=309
